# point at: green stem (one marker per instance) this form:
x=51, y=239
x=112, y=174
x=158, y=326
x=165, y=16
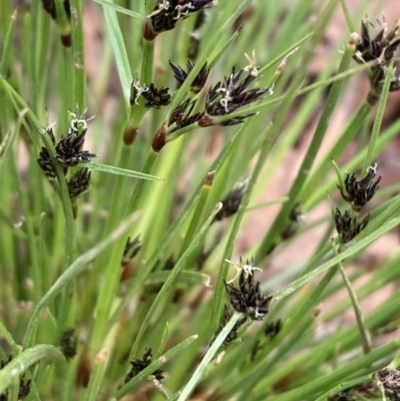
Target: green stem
x=165, y=289
x=78, y=55
x=28, y=358
x=308, y=160
x=366, y=341
x=132, y=384
x=329, y=380
x=378, y=119
x=113, y=272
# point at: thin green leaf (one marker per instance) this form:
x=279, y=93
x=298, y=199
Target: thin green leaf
x=121, y=171
x=120, y=9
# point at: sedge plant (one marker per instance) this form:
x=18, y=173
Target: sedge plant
x=127, y=193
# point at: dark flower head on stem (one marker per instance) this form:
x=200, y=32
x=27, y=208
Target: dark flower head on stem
x=68, y=343
x=359, y=193
x=168, y=13
x=233, y=334
x=248, y=299
x=272, y=329
x=230, y=95
x=24, y=385
x=389, y=382
x=231, y=203
x=140, y=364
x=180, y=75
x=68, y=150
x=182, y=116
x=79, y=183
x=156, y=97
x=379, y=50
x=349, y=227
x=132, y=248
x=381, y=47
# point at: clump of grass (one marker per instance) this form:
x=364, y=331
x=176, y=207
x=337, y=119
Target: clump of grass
x=117, y=276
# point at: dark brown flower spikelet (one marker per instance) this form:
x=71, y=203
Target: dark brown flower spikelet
x=359, y=193
x=167, y=14
x=156, y=97
x=233, y=334
x=248, y=298
x=380, y=51
x=79, y=183
x=45, y=160
x=132, y=248
x=382, y=46
x=349, y=227
x=24, y=385
x=68, y=343
x=231, y=203
x=389, y=379
x=180, y=75
x=272, y=329
x=140, y=364
x=68, y=150
x=230, y=95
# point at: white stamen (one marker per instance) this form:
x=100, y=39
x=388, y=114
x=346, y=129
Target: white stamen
x=373, y=168
x=139, y=89
x=163, y=6
x=183, y=10
x=248, y=270
x=252, y=67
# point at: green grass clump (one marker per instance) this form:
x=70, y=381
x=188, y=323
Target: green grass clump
x=123, y=270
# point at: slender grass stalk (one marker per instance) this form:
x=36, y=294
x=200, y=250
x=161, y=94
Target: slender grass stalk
x=78, y=55
x=308, y=160
x=29, y=357
x=378, y=119
x=366, y=341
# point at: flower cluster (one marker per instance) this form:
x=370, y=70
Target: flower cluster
x=248, y=299
x=230, y=95
x=168, y=13
x=233, y=334
x=68, y=150
x=359, y=193
x=231, y=203
x=132, y=248
x=272, y=329
x=68, y=343
x=69, y=154
x=140, y=364
x=381, y=51
x=363, y=391
x=24, y=385
x=180, y=75
x=79, y=183
x=389, y=380
x=347, y=226
x=154, y=97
